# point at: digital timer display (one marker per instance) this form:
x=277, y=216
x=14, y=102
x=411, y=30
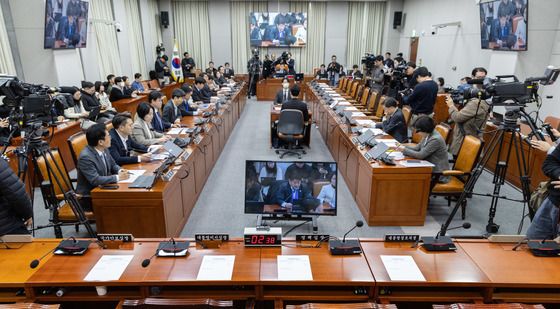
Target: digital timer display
x=262, y=240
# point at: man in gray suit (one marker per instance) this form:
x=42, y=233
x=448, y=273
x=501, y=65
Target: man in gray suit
x=96, y=167
x=171, y=112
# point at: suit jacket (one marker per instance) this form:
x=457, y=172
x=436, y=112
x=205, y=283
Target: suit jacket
x=158, y=122
x=432, y=149
x=395, y=126
x=120, y=153
x=292, y=66
x=186, y=110
x=299, y=105
x=143, y=133
x=280, y=97
x=228, y=73
x=200, y=95
x=284, y=37
x=284, y=194
x=169, y=113
x=160, y=69
x=117, y=94
x=92, y=172
x=89, y=101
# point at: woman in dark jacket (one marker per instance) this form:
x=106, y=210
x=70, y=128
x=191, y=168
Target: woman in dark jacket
x=15, y=205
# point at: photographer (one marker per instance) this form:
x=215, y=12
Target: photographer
x=423, y=98
x=377, y=75
x=470, y=120
x=410, y=76
x=254, y=69
x=15, y=205
x=334, y=70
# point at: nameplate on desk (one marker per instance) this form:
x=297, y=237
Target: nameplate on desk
x=115, y=237
x=401, y=238
x=202, y=237
x=197, y=139
x=206, y=128
x=313, y=237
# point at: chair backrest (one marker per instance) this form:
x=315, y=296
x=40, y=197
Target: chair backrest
x=407, y=113
x=342, y=83
x=379, y=108
x=57, y=170
x=146, y=84
x=77, y=142
x=364, y=96
x=553, y=121
x=291, y=122
x=175, y=303
x=351, y=85
x=318, y=185
x=372, y=99
x=154, y=84
x=358, y=92
x=468, y=154
x=342, y=306
x=444, y=130
x=354, y=89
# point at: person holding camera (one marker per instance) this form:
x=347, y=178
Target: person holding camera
x=333, y=69
x=254, y=68
x=470, y=120
x=16, y=212
x=423, y=97
x=377, y=75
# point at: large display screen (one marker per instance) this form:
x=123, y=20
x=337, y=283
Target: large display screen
x=278, y=29
x=503, y=24
x=66, y=23
x=280, y=187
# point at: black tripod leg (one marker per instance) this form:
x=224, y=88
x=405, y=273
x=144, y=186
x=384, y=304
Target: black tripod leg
x=498, y=180
x=524, y=177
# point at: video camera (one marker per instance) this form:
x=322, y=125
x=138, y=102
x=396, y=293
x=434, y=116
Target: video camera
x=368, y=60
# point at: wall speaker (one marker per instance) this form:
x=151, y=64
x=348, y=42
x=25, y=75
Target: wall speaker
x=164, y=17
x=397, y=19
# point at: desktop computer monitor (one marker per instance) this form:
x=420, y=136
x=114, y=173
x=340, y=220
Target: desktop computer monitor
x=296, y=188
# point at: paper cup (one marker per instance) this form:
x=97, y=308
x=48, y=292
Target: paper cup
x=101, y=290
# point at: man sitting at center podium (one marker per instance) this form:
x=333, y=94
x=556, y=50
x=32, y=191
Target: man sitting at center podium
x=292, y=193
x=283, y=95
x=294, y=103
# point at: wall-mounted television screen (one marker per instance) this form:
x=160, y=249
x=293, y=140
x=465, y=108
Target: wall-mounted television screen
x=298, y=188
x=278, y=29
x=66, y=23
x=503, y=24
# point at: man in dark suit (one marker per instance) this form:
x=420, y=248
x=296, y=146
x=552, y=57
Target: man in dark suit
x=95, y=164
x=292, y=193
x=158, y=122
x=228, y=71
x=161, y=67
x=90, y=102
x=501, y=32
x=199, y=95
x=280, y=34
x=187, y=108
x=294, y=103
x=284, y=94
x=117, y=91
x=171, y=112
x=122, y=144
x=188, y=65
x=394, y=123
x=322, y=73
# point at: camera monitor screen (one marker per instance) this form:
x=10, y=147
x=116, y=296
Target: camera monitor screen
x=66, y=23
x=503, y=24
x=278, y=29
x=299, y=188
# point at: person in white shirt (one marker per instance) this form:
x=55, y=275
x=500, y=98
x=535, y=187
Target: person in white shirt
x=103, y=97
x=328, y=193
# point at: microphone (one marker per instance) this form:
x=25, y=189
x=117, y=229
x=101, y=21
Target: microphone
x=359, y=223
x=146, y=262
x=36, y=262
x=476, y=81
x=442, y=243
x=466, y=225
x=170, y=246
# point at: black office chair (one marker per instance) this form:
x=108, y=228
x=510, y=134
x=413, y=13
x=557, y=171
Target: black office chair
x=291, y=129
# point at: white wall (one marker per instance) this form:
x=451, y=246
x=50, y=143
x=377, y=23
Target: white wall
x=220, y=31
x=122, y=39
x=453, y=52
x=336, y=33
x=391, y=37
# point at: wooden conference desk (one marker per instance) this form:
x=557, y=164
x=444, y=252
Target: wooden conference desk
x=163, y=210
x=267, y=88
x=386, y=195
x=478, y=271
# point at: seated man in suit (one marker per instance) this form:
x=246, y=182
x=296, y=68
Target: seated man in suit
x=199, y=95
x=292, y=193
x=187, y=107
x=95, y=164
x=158, y=122
x=228, y=71
x=122, y=144
x=283, y=95
x=280, y=34
x=322, y=73
x=394, y=123
x=294, y=103
x=171, y=112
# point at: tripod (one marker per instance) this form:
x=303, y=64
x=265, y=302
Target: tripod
x=509, y=126
x=40, y=151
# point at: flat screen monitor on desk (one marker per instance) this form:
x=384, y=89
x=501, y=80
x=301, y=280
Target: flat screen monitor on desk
x=298, y=188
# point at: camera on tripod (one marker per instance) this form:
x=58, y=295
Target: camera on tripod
x=460, y=97
x=368, y=60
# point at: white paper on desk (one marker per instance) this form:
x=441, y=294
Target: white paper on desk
x=175, y=131
x=375, y=131
x=358, y=114
x=109, y=267
x=396, y=155
x=389, y=142
x=154, y=148
x=132, y=176
x=416, y=163
x=365, y=122
x=294, y=267
x=216, y=267
x=402, y=268
x=160, y=156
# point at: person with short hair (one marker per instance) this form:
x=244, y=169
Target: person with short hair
x=283, y=95
x=423, y=98
x=410, y=75
x=393, y=123
x=110, y=83
x=377, y=75
x=96, y=166
x=322, y=73
x=171, y=111
x=187, y=64
x=356, y=73
x=187, y=107
x=128, y=87
x=160, y=124
x=333, y=70
x=199, y=95
x=431, y=148
x=161, y=67
x=118, y=90
x=142, y=131
x=137, y=83
x=289, y=193
x=295, y=103
x=122, y=145
x=211, y=70
x=388, y=62
x=228, y=71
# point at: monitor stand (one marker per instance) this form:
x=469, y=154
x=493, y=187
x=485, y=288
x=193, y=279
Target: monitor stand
x=288, y=217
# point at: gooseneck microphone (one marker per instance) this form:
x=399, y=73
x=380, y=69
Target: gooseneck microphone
x=170, y=246
x=36, y=262
x=466, y=225
x=440, y=242
x=359, y=223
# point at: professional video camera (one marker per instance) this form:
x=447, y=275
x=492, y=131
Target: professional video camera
x=461, y=96
x=284, y=56
x=368, y=60
x=160, y=50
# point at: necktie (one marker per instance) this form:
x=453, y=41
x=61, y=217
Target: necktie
x=158, y=121
x=102, y=155
x=285, y=96
x=294, y=195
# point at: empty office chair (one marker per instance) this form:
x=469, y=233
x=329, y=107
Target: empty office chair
x=77, y=142
x=466, y=160
x=407, y=113
x=363, y=101
x=291, y=129
x=54, y=183
x=342, y=306
x=488, y=306
x=357, y=95
x=180, y=303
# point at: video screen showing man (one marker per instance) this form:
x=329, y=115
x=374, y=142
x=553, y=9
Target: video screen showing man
x=66, y=24
x=504, y=25
x=278, y=29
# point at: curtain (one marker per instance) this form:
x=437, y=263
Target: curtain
x=192, y=30
x=240, y=32
x=313, y=53
x=135, y=39
x=108, y=57
x=365, y=30
x=7, y=65
x=151, y=31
